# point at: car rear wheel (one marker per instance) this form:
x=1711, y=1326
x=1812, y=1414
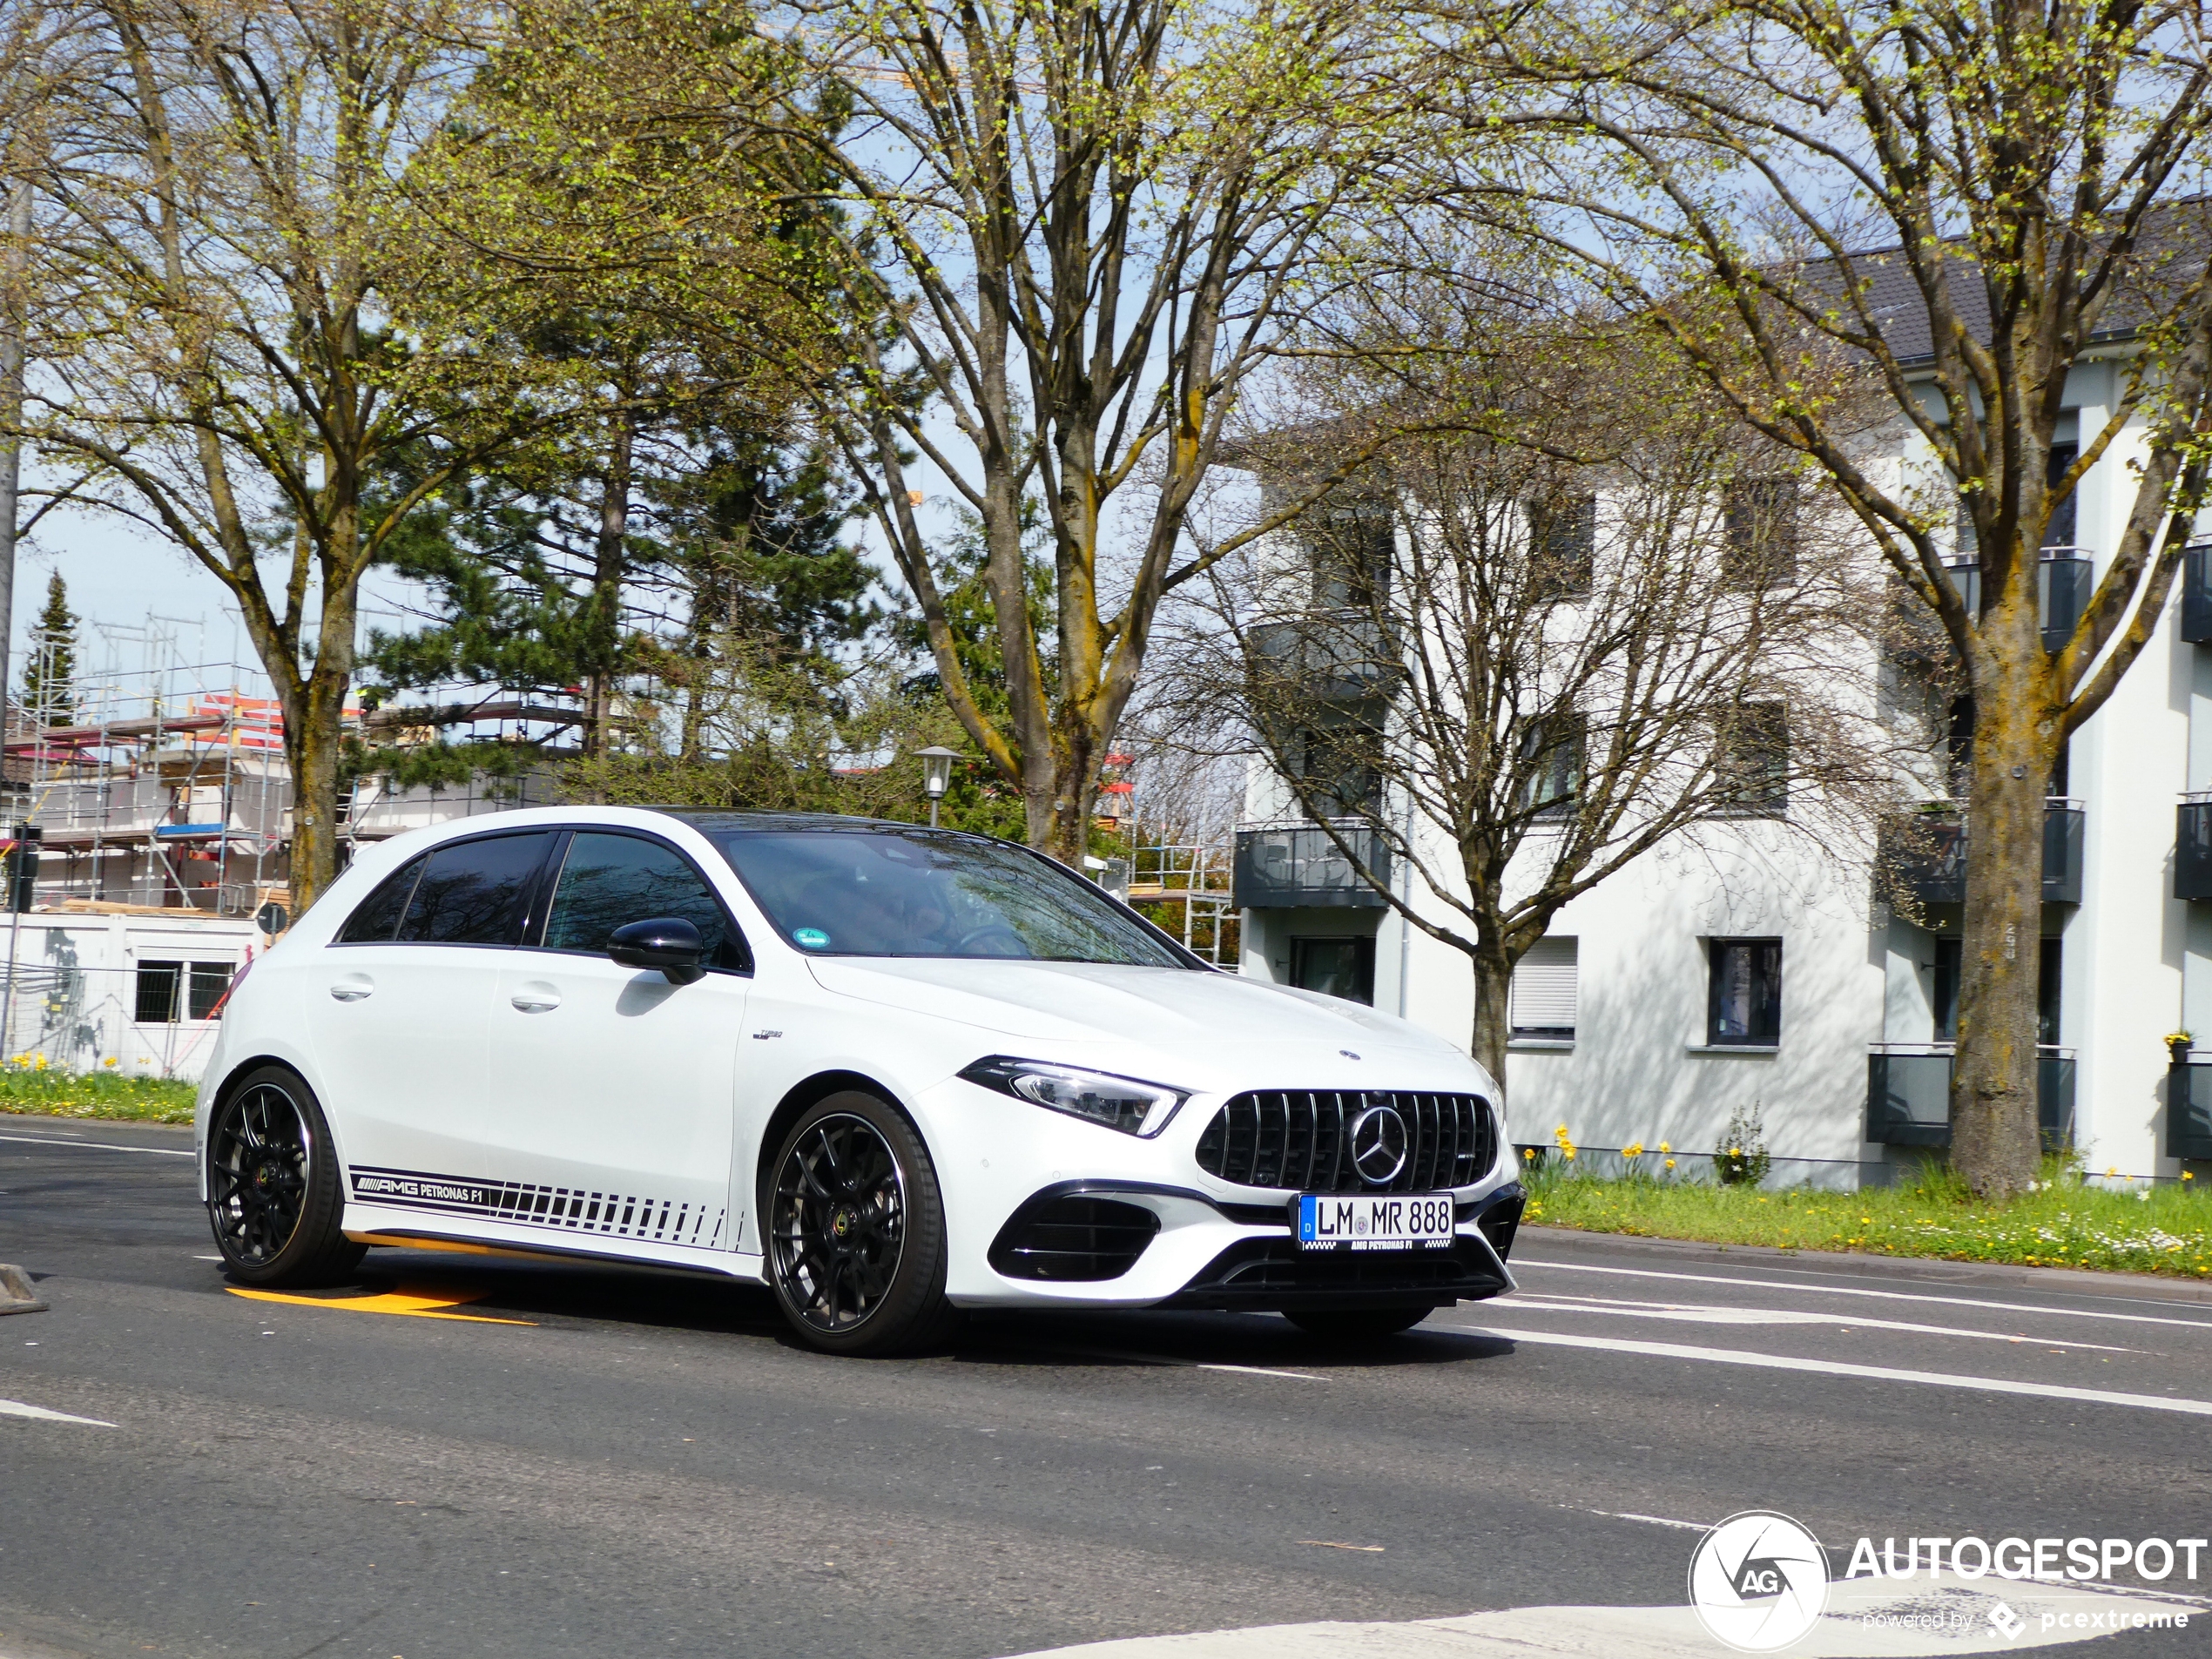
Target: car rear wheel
x=1356, y=1325
x=273, y=1192
x=856, y=1231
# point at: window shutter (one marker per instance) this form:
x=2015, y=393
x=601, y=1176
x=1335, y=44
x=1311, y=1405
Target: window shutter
x=1543, y=989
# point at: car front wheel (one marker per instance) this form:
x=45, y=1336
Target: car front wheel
x=273, y=1192
x=856, y=1231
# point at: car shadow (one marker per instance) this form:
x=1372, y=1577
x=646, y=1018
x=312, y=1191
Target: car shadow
x=554, y=1293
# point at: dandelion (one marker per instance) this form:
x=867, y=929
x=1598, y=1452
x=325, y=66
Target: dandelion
x=110, y=1061
x=1670, y=1163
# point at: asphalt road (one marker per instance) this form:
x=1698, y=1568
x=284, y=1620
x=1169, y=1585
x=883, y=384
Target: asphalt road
x=629, y=1464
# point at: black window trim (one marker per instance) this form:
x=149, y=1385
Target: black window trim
x=548, y=880
x=1714, y=946
x=533, y=918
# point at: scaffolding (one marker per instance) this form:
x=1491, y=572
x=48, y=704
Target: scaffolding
x=1185, y=888
x=158, y=785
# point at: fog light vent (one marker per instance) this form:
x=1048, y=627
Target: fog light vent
x=1074, y=1238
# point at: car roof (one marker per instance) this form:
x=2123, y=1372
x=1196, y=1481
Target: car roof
x=708, y=818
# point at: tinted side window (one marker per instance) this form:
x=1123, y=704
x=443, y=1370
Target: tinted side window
x=377, y=917
x=607, y=880
x=474, y=892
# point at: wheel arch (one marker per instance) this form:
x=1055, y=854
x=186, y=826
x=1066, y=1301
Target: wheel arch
x=796, y=1099
x=236, y=1074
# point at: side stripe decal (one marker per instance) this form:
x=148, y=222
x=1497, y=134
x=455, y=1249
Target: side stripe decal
x=569, y=1208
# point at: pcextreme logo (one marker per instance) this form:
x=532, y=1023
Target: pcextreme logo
x=1758, y=1581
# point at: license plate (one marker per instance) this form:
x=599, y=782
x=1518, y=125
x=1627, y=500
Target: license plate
x=1403, y=1221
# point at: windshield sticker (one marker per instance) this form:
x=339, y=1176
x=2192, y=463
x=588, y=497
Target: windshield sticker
x=812, y=938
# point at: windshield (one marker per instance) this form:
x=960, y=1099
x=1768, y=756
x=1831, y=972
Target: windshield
x=921, y=893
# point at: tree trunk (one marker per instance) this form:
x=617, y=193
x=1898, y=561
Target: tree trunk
x=1493, y=1003
x=1995, y=1146
x=606, y=583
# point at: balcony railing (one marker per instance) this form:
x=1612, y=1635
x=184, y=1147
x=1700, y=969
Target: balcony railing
x=2064, y=579
x=2188, y=1110
x=1285, y=866
x=1908, y=1095
x=2193, y=846
x=1331, y=656
x=1930, y=856
x=2196, y=593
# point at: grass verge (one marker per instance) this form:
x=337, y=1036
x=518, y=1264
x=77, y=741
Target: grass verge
x=2062, y=1223
x=57, y=1094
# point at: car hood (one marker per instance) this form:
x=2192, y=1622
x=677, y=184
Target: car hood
x=1218, y=1021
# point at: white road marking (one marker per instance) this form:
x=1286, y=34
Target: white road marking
x=1701, y=1313
x=1262, y=1371
x=1866, y=1619
x=17, y=1408
x=1519, y=1262
x=1839, y=1368
x=1652, y=1521
x=102, y=1146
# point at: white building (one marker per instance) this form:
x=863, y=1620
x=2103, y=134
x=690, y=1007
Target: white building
x=1749, y=969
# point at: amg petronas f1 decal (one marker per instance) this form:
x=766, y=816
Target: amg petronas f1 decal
x=572, y=1209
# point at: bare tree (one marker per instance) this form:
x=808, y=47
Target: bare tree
x=1085, y=223
x=1506, y=661
x=2027, y=176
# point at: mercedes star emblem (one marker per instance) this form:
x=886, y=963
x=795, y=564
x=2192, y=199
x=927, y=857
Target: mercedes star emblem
x=1379, y=1144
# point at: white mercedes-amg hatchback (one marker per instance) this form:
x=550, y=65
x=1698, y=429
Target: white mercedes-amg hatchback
x=892, y=1072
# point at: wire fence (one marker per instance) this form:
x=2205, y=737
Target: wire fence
x=154, y=1018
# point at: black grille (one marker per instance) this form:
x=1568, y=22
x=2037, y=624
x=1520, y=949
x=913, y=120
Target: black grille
x=1074, y=1238
x=1298, y=1140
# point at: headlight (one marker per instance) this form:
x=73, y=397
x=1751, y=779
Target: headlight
x=1124, y=1103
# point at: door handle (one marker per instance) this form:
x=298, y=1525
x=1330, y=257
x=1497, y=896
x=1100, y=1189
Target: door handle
x=536, y=999
x=351, y=990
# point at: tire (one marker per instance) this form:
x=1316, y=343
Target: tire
x=272, y=1194
x=1356, y=1325
x=855, y=1231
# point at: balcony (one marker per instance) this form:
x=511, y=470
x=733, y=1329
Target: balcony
x=1296, y=866
x=2196, y=593
x=1908, y=1095
x=2188, y=1110
x=1329, y=656
x=2064, y=579
x=2192, y=847
x=1930, y=858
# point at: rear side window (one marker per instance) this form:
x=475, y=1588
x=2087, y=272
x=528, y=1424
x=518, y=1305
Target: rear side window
x=474, y=892
x=376, y=919
x=607, y=880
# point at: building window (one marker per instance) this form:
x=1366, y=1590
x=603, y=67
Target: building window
x=2050, y=965
x=1339, y=967
x=1551, y=763
x=1544, y=989
x=1751, y=766
x=1351, y=545
x=166, y=992
x=1744, y=1006
x=1562, y=540
x=1759, y=522
x=1332, y=758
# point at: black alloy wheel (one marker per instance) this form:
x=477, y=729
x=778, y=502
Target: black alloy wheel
x=272, y=1194
x=856, y=1236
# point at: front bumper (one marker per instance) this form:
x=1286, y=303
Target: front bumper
x=1136, y=1244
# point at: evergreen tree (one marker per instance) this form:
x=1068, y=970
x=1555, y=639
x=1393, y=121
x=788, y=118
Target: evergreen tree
x=50, y=670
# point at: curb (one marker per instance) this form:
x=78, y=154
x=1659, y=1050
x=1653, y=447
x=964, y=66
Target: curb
x=1932, y=1268
x=16, y=1294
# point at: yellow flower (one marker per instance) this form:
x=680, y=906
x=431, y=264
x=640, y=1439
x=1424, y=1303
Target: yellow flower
x=2187, y=1175
x=41, y=1063
x=1569, y=1152
x=1735, y=1151
x=110, y=1061
x=1670, y=1163
x=1664, y=1149
x=1528, y=1152
x=2114, y=1170
x=1633, y=1149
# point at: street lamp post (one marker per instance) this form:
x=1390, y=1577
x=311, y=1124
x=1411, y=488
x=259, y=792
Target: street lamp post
x=936, y=774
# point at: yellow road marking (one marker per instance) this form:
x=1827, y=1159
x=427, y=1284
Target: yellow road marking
x=417, y=1301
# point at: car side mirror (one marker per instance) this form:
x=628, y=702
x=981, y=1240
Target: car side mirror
x=669, y=943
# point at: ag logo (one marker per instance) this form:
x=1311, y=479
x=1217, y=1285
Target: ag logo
x=1759, y=1580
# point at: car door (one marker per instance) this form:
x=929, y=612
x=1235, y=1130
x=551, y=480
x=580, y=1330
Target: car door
x=613, y=1092
x=397, y=1016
